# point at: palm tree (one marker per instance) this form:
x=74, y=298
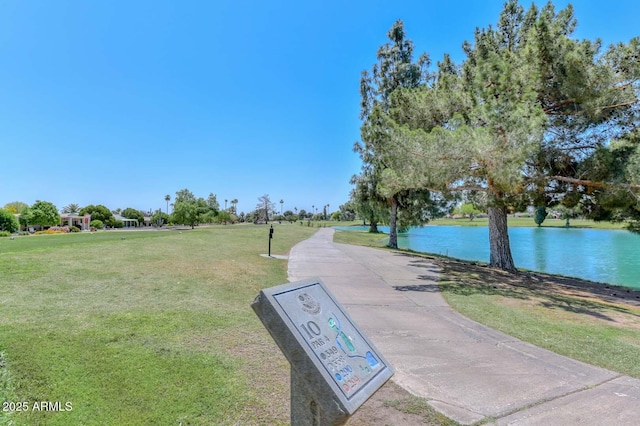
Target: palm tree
x=225, y=203
x=167, y=198
x=234, y=203
x=71, y=208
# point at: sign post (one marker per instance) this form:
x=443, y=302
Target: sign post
x=334, y=367
x=270, y=237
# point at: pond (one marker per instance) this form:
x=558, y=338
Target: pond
x=608, y=256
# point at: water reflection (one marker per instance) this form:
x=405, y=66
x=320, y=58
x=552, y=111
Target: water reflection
x=540, y=249
x=609, y=256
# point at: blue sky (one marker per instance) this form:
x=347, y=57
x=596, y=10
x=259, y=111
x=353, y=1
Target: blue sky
x=121, y=102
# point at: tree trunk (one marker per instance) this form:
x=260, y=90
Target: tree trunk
x=500, y=249
x=373, y=227
x=393, y=225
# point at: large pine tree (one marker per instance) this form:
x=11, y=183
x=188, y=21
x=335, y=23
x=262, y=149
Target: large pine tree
x=518, y=118
x=380, y=184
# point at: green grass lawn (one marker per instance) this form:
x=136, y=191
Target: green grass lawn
x=142, y=327
x=529, y=222
x=155, y=327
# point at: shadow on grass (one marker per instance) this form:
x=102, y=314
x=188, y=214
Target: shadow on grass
x=572, y=295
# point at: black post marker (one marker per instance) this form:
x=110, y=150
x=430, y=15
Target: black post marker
x=270, y=237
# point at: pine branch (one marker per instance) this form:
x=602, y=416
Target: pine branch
x=592, y=184
x=547, y=110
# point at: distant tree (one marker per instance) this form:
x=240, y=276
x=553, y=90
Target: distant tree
x=71, y=208
x=184, y=195
x=8, y=221
x=289, y=216
x=25, y=216
x=369, y=204
x=15, y=207
x=186, y=213
x=189, y=210
x=417, y=207
x=167, y=198
x=44, y=213
x=117, y=211
x=303, y=214
x=252, y=216
x=468, y=210
x=567, y=213
x=208, y=217
x=264, y=206
x=131, y=213
x=98, y=212
x=347, y=211
x=159, y=218
x=223, y=217
x=616, y=170
x=540, y=215
x=212, y=203
x=234, y=204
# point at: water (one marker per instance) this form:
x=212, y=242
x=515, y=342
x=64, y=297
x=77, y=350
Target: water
x=609, y=256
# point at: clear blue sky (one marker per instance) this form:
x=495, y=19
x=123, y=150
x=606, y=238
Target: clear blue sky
x=121, y=102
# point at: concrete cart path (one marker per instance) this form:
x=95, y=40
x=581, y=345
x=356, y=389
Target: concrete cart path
x=467, y=371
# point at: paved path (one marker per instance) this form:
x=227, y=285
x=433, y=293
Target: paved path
x=467, y=371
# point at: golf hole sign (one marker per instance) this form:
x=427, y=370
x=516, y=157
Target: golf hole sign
x=332, y=360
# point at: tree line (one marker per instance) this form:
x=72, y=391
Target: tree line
x=531, y=117
x=187, y=209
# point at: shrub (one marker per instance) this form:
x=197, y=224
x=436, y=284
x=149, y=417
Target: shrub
x=58, y=229
x=51, y=231
x=74, y=229
x=541, y=215
x=96, y=223
x=5, y=234
x=8, y=221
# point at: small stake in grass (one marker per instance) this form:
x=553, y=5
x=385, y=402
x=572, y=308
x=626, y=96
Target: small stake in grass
x=270, y=237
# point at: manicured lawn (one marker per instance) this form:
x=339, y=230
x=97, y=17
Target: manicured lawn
x=142, y=327
x=529, y=222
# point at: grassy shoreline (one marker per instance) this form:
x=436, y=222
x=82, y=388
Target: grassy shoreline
x=529, y=222
x=512, y=221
